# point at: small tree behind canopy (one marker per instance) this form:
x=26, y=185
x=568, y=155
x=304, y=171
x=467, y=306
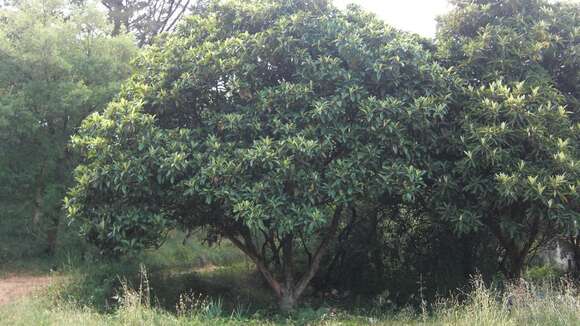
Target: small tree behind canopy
x=262, y=122
x=145, y=18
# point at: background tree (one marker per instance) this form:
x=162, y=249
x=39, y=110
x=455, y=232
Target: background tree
x=57, y=64
x=516, y=138
x=264, y=122
x=145, y=18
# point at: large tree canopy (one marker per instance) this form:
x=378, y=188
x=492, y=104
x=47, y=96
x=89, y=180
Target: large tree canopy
x=515, y=140
x=262, y=122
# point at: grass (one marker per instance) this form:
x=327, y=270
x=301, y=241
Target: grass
x=521, y=305
x=524, y=304
x=194, y=285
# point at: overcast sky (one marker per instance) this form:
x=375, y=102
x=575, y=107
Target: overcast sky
x=416, y=16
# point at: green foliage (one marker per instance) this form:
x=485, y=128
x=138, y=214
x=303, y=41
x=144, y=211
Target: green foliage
x=543, y=273
x=514, y=40
x=57, y=65
x=405, y=257
x=515, y=140
x=269, y=132
x=260, y=121
x=518, y=148
x=288, y=126
x=174, y=269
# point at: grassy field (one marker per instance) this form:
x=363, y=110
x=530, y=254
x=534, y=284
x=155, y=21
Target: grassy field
x=520, y=306
x=194, y=285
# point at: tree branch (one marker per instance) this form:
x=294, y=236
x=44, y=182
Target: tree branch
x=301, y=286
x=255, y=257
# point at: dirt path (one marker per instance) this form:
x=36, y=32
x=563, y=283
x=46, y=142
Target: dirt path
x=14, y=287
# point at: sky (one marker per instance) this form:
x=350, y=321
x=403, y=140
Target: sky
x=416, y=16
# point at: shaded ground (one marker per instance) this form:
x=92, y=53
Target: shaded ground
x=17, y=286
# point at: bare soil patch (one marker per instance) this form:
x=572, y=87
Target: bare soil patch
x=17, y=286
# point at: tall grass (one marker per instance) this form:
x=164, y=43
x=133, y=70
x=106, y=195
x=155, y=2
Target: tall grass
x=195, y=285
x=173, y=269
x=522, y=304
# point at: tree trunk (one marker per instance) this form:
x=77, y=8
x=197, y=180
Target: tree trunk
x=467, y=262
x=38, y=206
x=287, y=301
x=515, y=254
x=377, y=246
x=288, y=292
x=52, y=236
x=575, y=244
x=513, y=261
x=117, y=12
x=516, y=266
x=116, y=27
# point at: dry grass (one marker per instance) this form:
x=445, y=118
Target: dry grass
x=16, y=286
x=522, y=304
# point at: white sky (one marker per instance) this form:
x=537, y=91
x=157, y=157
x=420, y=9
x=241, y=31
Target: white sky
x=416, y=16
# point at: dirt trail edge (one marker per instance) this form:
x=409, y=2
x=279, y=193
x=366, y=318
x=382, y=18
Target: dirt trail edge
x=15, y=286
